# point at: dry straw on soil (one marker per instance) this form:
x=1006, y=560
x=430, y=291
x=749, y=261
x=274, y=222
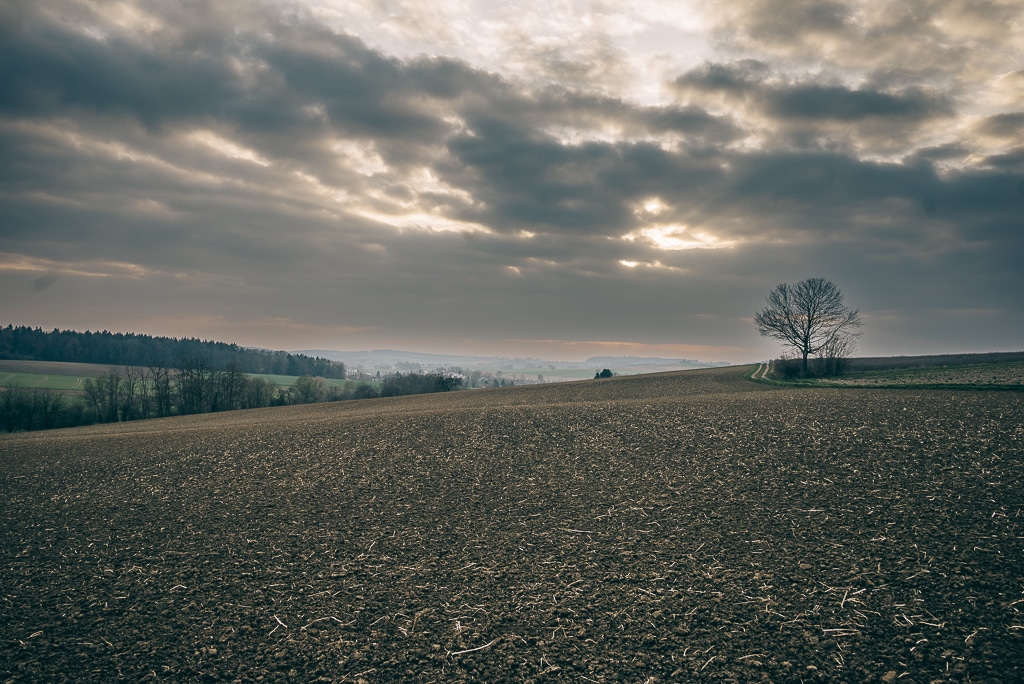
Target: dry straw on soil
x=677, y=527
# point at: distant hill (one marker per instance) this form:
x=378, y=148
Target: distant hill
x=398, y=359
x=22, y=343
x=391, y=356
x=652, y=361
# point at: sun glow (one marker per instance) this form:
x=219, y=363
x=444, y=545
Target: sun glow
x=675, y=237
x=652, y=206
x=657, y=265
x=424, y=222
x=95, y=268
x=360, y=155
x=227, y=148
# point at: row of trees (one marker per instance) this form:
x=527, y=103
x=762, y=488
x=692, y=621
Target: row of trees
x=134, y=393
x=398, y=385
x=130, y=349
x=22, y=409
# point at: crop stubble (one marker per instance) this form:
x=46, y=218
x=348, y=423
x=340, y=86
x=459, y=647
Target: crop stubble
x=680, y=526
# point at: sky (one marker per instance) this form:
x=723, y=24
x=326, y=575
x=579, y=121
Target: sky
x=556, y=178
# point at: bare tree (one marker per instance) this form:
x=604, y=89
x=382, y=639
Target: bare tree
x=832, y=357
x=193, y=385
x=231, y=387
x=104, y=394
x=131, y=387
x=810, y=317
x=145, y=394
x=160, y=378
x=94, y=395
x=49, y=406
x=12, y=398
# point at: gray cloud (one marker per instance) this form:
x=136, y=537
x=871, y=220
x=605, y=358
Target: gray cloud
x=45, y=282
x=751, y=81
x=230, y=168
x=842, y=104
x=1008, y=126
x=736, y=78
x=951, y=40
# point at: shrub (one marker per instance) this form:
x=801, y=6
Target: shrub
x=787, y=369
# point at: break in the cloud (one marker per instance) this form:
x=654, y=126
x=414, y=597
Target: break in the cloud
x=555, y=179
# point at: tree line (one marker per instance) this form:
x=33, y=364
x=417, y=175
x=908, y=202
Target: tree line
x=145, y=351
x=135, y=393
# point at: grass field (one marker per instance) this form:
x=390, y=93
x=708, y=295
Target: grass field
x=50, y=375
x=686, y=526
x=53, y=375
x=40, y=381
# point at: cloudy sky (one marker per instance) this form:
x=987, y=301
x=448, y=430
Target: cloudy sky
x=554, y=178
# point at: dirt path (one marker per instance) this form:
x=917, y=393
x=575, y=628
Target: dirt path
x=677, y=527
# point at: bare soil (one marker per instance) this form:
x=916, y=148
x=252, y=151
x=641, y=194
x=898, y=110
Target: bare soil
x=1001, y=376
x=686, y=526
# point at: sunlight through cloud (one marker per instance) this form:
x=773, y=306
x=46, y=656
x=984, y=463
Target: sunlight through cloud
x=423, y=222
x=654, y=265
x=360, y=156
x=96, y=268
x=676, y=237
x=227, y=148
x=652, y=206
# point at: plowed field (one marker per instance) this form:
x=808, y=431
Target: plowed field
x=679, y=527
